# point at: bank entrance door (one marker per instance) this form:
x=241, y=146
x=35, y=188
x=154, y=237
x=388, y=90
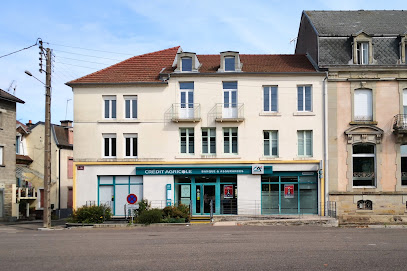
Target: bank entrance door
x=205, y=193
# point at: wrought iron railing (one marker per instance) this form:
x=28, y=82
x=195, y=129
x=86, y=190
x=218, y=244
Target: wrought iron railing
x=185, y=112
x=400, y=122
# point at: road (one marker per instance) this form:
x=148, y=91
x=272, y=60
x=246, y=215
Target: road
x=203, y=247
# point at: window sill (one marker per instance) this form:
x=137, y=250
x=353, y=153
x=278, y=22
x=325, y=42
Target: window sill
x=267, y=158
x=2, y=166
x=364, y=187
x=303, y=114
x=186, y=156
x=303, y=158
x=364, y=211
x=270, y=114
x=119, y=121
x=356, y=122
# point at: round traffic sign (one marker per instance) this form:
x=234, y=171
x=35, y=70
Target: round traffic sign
x=131, y=199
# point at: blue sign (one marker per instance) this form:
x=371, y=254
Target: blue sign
x=131, y=198
x=227, y=170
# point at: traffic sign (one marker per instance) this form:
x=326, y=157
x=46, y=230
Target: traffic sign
x=131, y=199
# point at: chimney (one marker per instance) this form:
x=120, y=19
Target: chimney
x=66, y=123
x=70, y=135
x=29, y=124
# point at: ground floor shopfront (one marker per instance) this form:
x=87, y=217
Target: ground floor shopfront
x=222, y=189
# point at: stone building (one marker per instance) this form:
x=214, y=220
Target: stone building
x=7, y=152
x=364, y=55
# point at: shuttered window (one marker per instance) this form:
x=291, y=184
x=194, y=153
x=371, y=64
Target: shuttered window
x=363, y=105
x=70, y=167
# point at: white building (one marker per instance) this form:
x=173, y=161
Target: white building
x=245, y=131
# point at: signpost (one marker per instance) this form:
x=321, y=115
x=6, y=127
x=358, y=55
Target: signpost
x=131, y=200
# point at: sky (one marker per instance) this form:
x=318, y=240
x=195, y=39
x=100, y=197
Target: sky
x=86, y=36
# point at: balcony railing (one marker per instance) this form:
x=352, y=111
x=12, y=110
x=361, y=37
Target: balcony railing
x=185, y=112
x=229, y=112
x=400, y=123
x=26, y=193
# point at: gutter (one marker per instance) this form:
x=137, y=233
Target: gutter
x=122, y=83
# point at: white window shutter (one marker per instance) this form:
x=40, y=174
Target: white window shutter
x=363, y=104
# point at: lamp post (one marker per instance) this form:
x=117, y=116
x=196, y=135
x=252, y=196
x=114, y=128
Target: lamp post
x=47, y=145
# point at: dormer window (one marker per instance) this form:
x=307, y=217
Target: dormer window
x=362, y=49
x=230, y=63
x=363, y=53
x=403, y=49
x=186, y=64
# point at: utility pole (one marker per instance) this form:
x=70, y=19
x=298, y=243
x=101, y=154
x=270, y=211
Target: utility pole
x=47, y=146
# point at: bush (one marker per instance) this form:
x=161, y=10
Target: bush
x=144, y=205
x=91, y=214
x=150, y=216
x=180, y=212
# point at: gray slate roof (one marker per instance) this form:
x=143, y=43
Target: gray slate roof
x=347, y=23
x=4, y=95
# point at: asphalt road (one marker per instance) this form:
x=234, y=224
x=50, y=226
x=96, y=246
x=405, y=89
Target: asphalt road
x=203, y=248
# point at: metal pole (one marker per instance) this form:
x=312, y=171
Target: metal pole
x=47, y=146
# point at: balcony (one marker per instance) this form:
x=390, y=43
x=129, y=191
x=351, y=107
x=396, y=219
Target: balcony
x=26, y=193
x=185, y=112
x=400, y=128
x=229, y=112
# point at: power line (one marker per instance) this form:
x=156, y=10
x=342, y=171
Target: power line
x=18, y=50
x=78, y=65
x=89, y=49
x=87, y=55
x=83, y=60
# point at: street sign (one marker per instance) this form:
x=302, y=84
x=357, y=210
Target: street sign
x=131, y=199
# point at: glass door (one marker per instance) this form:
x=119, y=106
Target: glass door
x=204, y=194
x=230, y=103
x=187, y=104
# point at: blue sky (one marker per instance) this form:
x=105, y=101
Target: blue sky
x=116, y=30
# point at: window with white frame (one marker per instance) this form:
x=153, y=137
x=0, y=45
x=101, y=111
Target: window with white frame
x=270, y=143
x=405, y=102
x=270, y=100
x=109, y=145
x=187, y=140
x=109, y=107
x=18, y=144
x=304, y=143
x=208, y=140
x=363, y=105
x=1, y=155
x=230, y=140
x=186, y=64
x=362, y=50
x=130, y=145
x=364, y=165
x=130, y=107
x=230, y=63
x=403, y=152
x=304, y=98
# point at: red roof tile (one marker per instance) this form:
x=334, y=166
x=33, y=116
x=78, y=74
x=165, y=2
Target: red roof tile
x=142, y=68
x=146, y=68
x=22, y=125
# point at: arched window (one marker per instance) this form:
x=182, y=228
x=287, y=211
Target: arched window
x=364, y=165
x=363, y=105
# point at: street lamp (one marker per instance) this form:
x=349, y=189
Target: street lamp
x=47, y=146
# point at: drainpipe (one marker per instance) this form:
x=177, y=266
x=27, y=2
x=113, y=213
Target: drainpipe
x=326, y=141
x=59, y=183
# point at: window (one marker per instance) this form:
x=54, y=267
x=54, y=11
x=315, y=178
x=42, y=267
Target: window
x=109, y=145
x=130, y=107
x=403, y=151
x=405, y=101
x=187, y=140
x=365, y=205
x=230, y=99
x=270, y=99
x=270, y=143
x=209, y=140
x=110, y=107
x=186, y=64
x=304, y=143
x=362, y=50
x=304, y=98
x=18, y=144
x=363, y=157
x=70, y=168
x=230, y=140
x=1, y=156
x=363, y=105
x=1, y=119
x=187, y=99
x=130, y=145
x=230, y=63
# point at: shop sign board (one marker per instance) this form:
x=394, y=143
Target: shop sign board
x=259, y=169
x=80, y=167
x=228, y=191
x=289, y=191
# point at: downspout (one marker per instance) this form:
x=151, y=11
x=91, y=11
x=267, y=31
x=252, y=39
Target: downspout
x=326, y=178
x=59, y=182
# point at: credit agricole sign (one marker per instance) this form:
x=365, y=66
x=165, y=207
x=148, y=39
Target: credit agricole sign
x=253, y=169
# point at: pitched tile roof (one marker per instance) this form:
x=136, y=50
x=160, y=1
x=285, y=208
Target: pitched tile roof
x=147, y=68
x=8, y=97
x=142, y=68
x=26, y=129
x=349, y=22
